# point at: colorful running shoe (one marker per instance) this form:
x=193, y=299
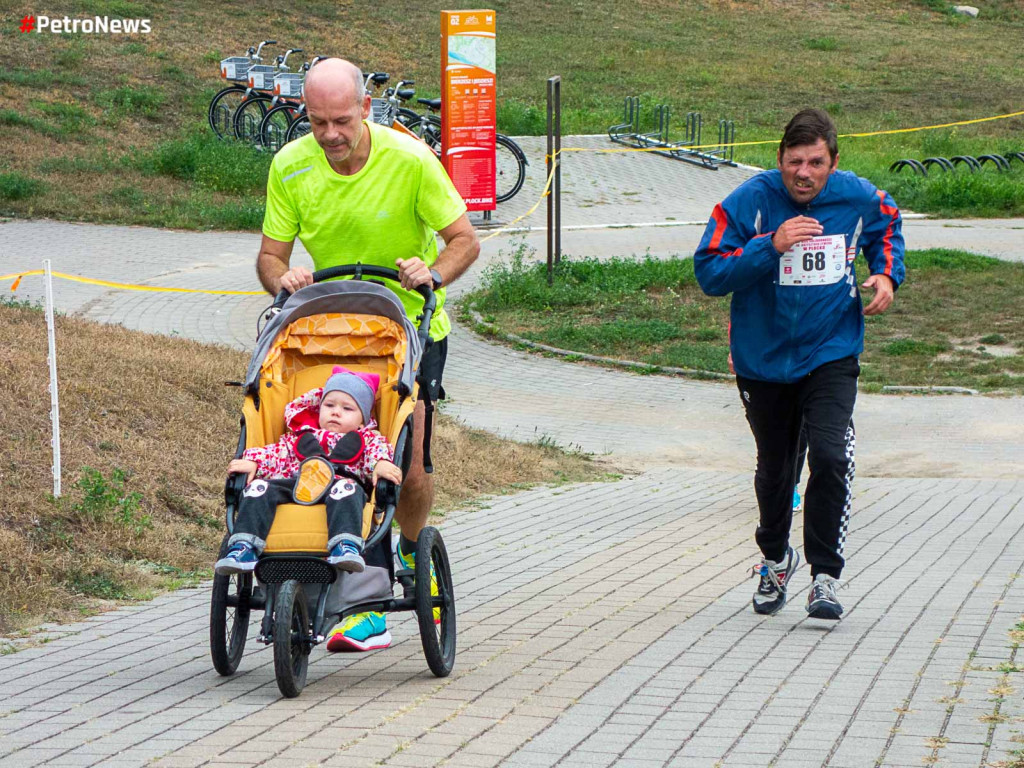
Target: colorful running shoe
x=798, y=503
x=409, y=562
x=360, y=632
x=771, y=590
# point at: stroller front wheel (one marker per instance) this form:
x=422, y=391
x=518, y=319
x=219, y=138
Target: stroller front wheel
x=438, y=638
x=291, y=638
x=229, y=619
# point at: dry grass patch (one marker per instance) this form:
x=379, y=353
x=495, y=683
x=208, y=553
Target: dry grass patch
x=147, y=428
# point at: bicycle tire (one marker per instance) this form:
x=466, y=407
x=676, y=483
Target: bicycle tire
x=274, y=132
x=248, y=118
x=438, y=637
x=221, y=112
x=509, y=168
x=405, y=116
x=297, y=129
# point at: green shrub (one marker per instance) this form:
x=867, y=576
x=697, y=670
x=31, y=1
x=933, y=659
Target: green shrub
x=127, y=100
x=16, y=186
x=106, y=501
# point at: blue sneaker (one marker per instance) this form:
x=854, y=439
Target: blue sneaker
x=240, y=558
x=360, y=632
x=345, y=556
x=797, y=501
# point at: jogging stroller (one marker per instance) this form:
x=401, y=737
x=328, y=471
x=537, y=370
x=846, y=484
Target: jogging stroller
x=362, y=325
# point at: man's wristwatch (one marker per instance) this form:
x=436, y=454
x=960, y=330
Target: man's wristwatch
x=436, y=277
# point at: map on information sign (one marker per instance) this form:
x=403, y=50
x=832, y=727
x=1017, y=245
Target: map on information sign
x=472, y=50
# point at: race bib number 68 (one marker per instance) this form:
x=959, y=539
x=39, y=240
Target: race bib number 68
x=821, y=261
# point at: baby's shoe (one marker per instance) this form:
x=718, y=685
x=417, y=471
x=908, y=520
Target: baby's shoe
x=240, y=558
x=345, y=556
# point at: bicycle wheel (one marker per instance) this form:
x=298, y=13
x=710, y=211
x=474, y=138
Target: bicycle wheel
x=221, y=113
x=297, y=129
x=229, y=618
x=405, y=116
x=509, y=168
x=248, y=118
x=274, y=127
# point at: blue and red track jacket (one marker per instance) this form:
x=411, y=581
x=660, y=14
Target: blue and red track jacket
x=781, y=333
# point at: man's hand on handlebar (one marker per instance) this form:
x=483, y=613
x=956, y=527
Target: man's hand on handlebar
x=414, y=272
x=295, y=278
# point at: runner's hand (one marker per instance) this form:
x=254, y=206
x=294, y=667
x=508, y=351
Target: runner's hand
x=882, y=286
x=794, y=231
x=414, y=272
x=295, y=278
x=243, y=466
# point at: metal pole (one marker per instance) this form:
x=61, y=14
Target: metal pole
x=548, y=160
x=52, y=360
x=558, y=168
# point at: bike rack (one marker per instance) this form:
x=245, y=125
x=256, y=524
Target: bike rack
x=629, y=133
x=950, y=164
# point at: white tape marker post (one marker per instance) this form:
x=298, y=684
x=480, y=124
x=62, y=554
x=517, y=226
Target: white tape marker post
x=52, y=360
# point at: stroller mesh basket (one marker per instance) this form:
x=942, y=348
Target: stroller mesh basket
x=308, y=570
x=235, y=68
x=289, y=85
x=261, y=76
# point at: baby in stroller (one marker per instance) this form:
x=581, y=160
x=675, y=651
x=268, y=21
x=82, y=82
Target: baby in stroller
x=332, y=442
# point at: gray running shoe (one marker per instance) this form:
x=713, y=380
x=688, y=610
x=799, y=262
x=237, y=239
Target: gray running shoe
x=771, y=591
x=822, y=602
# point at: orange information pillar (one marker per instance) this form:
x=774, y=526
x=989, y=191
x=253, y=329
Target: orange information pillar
x=468, y=104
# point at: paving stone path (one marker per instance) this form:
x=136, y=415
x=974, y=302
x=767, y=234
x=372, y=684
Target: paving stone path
x=599, y=624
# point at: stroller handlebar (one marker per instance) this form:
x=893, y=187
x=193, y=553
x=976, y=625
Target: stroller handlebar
x=358, y=271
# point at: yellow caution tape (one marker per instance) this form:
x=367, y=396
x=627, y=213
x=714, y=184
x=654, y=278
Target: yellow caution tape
x=776, y=141
x=16, y=276
x=547, y=188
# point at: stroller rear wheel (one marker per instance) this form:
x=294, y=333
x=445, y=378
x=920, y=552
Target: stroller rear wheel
x=291, y=638
x=229, y=619
x=438, y=639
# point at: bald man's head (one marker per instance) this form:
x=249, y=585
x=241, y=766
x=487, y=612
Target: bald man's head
x=334, y=76
x=337, y=104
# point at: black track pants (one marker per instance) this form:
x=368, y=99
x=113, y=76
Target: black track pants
x=823, y=403
x=261, y=498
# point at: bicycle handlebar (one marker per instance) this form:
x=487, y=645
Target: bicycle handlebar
x=256, y=54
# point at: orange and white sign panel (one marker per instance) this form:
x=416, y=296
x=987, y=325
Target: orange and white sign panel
x=468, y=111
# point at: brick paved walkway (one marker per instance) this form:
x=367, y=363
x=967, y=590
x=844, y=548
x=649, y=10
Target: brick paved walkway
x=600, y=624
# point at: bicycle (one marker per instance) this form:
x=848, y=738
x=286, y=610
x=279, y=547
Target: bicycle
x=287, y=106
x=249, y=116
x=509, y=159
x=225, y=103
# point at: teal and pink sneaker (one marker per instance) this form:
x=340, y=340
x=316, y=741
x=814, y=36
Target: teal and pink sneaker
x=360, y=632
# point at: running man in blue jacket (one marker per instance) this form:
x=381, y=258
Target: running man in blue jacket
x=783, y=244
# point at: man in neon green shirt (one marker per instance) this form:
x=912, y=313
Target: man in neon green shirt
x=354, y=191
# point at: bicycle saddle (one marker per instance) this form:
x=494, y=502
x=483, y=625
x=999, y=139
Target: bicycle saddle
x=406, y=93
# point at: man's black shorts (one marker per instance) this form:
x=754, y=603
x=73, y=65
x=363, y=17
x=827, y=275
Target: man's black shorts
x=431, y=370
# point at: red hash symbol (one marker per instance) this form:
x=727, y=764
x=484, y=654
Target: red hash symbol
x=28, y=23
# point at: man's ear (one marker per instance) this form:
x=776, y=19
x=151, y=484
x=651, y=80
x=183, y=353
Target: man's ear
x=835, y=163
x=367, y=103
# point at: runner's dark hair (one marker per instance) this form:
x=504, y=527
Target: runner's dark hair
x=806, y=127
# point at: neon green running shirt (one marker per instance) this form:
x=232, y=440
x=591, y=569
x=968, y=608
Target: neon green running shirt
x=389, y=210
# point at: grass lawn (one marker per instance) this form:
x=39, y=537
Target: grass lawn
x=113, y=128
x=147, y=429
x=958, y=320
